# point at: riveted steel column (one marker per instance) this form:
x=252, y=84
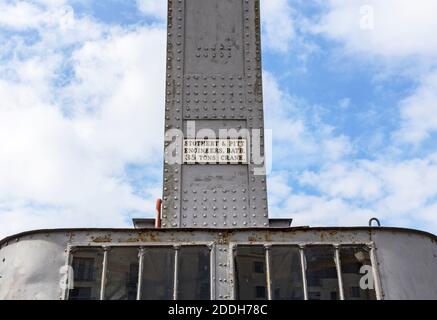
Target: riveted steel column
x=173, y=114
x=214, y=81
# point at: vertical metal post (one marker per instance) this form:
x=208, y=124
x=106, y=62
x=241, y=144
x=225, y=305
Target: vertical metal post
x=244, y=63
x=140, y=272
x=303, y=268
x=268, y=266
x=70, y=274
x=339, y=274
x=212, y=267
x=231, y=256
x=104, y=269
x=176, y=272
x=376, y=280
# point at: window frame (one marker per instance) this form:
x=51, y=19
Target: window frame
x=106, y=248
x=337, y=258
x=231, y=246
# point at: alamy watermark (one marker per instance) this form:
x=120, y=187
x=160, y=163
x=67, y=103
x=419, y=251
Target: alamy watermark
x=219, y=146
x=367, y=17
x=367, y=281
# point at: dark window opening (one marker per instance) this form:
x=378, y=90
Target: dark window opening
x=80, y=294
x=314, y=295
x=334, y=295
x=277, y=295
x=248, y=280
x=258, y=267
x=194, y=273
x=84, y=269
x=260, y=292
x=87, y=267
x=357, y=273
x=321, y=272
x=158, y=273
x=355, y=292
x=122, y=274
x=286, y=273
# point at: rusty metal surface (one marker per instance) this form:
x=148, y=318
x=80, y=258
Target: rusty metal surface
x=323, y=232
x=30, y=263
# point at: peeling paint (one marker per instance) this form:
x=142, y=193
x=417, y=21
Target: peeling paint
x=102, y=239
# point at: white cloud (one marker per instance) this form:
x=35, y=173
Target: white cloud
x=20, y=15
x=345, y=180
x=398, y=192
x=344, y=103
x=402, y=38
x=279, y=189
x=53, y=15
x=411, y=185
x=129, y=87
x=401, y=27
x=65, y=142
x=300, y=137
x=154, y=8
x=428, y=215
x=278, y=24
x=419, y=112
x=323, y=211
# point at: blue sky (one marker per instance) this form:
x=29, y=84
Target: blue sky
x=350, y=95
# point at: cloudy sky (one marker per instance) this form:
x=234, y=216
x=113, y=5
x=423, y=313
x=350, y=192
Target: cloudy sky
x=350, y=92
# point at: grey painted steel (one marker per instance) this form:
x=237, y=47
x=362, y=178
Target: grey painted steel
x=375, y=265
x=140, y=272
x=339, y=273
x=268, y=277
x=214, y=79
x=405, y=260
x=303, y=266
x=212, y=261
x=150, y=223
x=104, y=272
x=176, y=272
x=408, y=253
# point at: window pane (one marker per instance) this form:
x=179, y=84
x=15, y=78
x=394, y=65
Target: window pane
x=194, y=273
x=122, y=274
x=286, y=273
x=357, y=285
x=250, y=266
x=87, y=269
x=321, y=273
x=158, y=273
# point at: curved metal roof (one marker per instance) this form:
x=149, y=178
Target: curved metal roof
x=291, y=229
